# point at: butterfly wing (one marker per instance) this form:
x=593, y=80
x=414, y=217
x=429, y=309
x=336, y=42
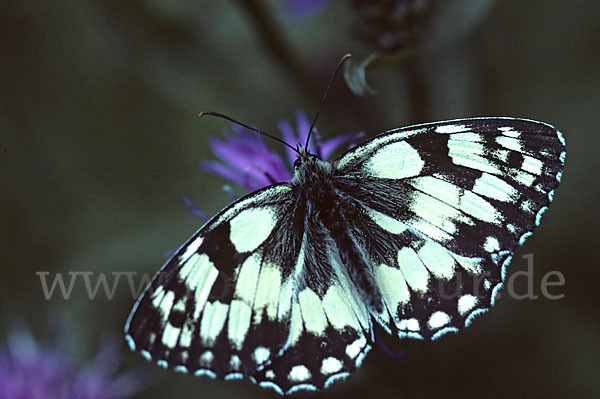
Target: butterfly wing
x=330, y=331
x=255, y=293
x=445, y=205
x=222, y=305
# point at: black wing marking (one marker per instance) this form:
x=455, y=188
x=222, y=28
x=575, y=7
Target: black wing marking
x=222, y=305
x=445, y=205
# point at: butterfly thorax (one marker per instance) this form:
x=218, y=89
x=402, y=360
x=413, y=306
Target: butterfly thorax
x=308, y=168
x=315, y=183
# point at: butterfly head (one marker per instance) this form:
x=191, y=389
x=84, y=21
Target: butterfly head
x=309, y=168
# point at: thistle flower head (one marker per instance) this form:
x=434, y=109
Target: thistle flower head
x=34, y=371
x=305, y=8
x=246, y=160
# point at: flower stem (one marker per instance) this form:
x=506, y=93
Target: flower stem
x=274, y=40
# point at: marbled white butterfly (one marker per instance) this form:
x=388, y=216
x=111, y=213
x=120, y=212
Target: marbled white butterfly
x=412, y=231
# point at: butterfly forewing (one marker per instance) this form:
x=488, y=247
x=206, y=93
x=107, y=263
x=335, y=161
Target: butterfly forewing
x=450, y=201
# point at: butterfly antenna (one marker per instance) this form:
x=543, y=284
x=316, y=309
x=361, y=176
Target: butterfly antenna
x=339, y=66
x=218, y=115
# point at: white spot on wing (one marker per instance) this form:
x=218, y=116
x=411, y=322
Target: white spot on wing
x=466, y=303
x=408, y=324
x=185, y=339
x=437, y=260
x=213, y=320
x=362, y=151
x=472, y=265
x=165, y=305
x=312, y=312
x=353, y=349
x=524, y=178
x=191, y=249
x=415, y=274
x=267, y=292
x=532, y=165
x=439, y=189
x=431, y=231
x=452, y=128
x=296, y=326
x=145, y=354
x=251, y=227
x=157, y=296
x=438, y=319
x=471, y=155
x=434, y=211
x=491, y=244
x=338, y=309
x=395, y=161
x=261, y=354
x=387, y=223
x=245, y=286
x=527, y=206
x=299, y=373
x=200, y=275
x=509, y=131
x=330, y=365
x=206, y=358
x=479, y=208
x=392, y=285
x=130, y=342
x=511, y=143
x=495, y=188
x=235, y=362
x=238, y=323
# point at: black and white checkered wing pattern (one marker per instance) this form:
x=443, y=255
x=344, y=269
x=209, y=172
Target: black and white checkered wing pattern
x=440, y=209
x=330, y=331
x=255, y=293
x=222, y=306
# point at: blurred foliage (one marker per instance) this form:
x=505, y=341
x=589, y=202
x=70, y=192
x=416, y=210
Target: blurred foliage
x=100, y=136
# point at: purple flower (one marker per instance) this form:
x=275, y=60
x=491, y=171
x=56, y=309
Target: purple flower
x=30, y=370
x=246, y=159
x=305, y=8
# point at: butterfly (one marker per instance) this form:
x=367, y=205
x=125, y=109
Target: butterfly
x=410, y=231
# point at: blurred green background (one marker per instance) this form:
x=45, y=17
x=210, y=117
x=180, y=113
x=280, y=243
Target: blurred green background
x=99, y=136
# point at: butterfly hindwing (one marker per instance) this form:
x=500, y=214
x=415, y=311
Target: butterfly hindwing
x=330, y=331
x=450, y=201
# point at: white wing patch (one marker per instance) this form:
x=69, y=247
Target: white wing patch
x=413, y=270
x=392, y=284
x=213, y=321
x=395, y=161
x=251, y=227
x=495, y=188
x=313, y=314
x=387, y=223
x=437, y=260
